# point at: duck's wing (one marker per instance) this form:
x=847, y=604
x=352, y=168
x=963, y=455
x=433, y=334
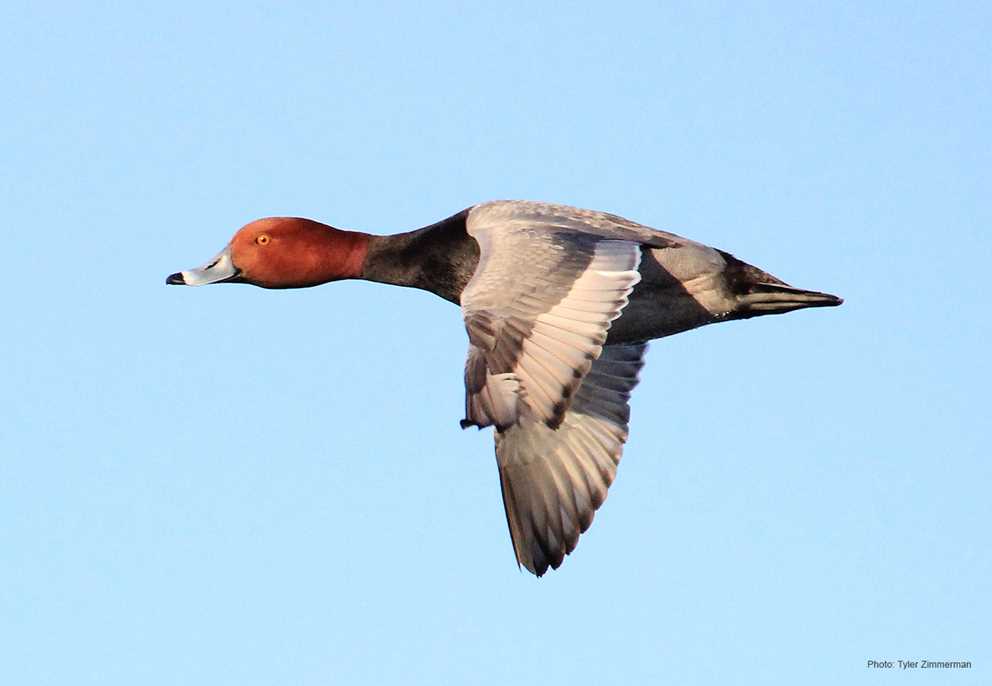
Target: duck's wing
x=553, y=481
x=537, y=311
x=545, y=215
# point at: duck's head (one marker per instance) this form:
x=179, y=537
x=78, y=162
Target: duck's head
x=282, y=252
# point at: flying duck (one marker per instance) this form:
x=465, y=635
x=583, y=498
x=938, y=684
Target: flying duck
x=558, y=303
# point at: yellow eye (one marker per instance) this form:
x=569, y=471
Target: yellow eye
x=263, y=239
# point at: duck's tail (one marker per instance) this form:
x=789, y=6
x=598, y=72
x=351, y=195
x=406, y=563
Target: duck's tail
x=758, y=292
x=778, y=298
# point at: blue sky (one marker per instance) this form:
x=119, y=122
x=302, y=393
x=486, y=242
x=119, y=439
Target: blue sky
x=234, y=486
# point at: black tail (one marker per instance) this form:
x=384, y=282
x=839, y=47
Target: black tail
x=759, y=292
x=777, y=298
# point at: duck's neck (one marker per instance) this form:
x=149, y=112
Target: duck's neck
x=440, y=258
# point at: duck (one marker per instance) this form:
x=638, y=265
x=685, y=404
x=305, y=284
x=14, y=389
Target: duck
x=559, y=304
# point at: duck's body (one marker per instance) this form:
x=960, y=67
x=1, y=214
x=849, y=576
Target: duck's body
x=558, y=303
x=684, y=284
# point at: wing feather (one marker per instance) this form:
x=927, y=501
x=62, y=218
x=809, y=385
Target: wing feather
x=553, y=481
x=549, y=283
x=538, y=308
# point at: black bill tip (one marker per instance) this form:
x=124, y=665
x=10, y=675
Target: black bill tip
x=176, y=279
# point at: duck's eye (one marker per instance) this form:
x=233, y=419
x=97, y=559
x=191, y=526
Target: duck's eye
x=263, y=239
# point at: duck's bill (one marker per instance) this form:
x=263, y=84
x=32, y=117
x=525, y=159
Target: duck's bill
x=221, y=269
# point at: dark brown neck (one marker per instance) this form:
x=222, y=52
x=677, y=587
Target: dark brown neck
x=439, y=258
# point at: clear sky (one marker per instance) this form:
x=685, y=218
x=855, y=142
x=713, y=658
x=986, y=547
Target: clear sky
x=228, y=485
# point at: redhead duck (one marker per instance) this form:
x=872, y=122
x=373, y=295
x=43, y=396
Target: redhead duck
x=558, y=303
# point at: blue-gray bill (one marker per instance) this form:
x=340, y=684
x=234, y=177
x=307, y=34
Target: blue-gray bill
x=220, y=269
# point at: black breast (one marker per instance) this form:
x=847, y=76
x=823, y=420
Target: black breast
x=447, y=256
x=440, y=258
